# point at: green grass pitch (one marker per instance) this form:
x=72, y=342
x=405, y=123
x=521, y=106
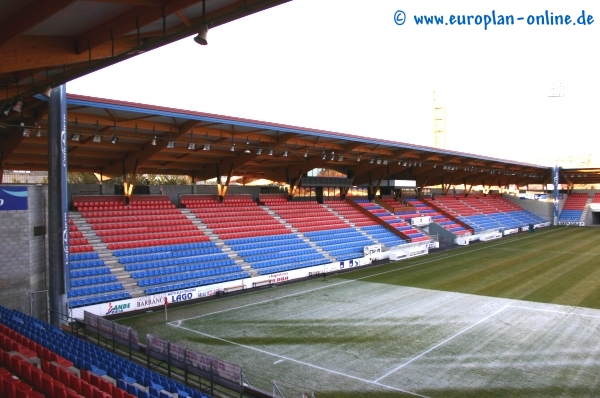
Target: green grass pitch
x=512, y=317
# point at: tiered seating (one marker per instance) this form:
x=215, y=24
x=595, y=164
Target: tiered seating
x=180, y=266
x=199, y=201
x=273, y=198
x=423, y=209
x=326, y=229
x=149, y=221
x=277, y=253
x=596, y=198
x=405, y=215
x=236, y=217
x=454, y=206
x=343, y=244
x=573, y=208
x=383, y=236
x=55, y=378
x=401, y=225
x=305, y=216
x=484, y=213
x=392, y=202
x=26, y=341
x=349, y=213
x=122, y=229
x=99, y=203
x=91, y=281
x=150, y=203
x=77, y=242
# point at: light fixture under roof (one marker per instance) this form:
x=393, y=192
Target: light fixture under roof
x=340, y=158
x=201, y=37
x=171, y=144
x=270, y=153
x=192, y=146
x=206, y=147
x=18, y=107
x=259, y=151
x=6, y=107
x=285, y=153
x=153, y=141
x=75, y=137
x=114, y=139
x=371, y=160
x=232, y=149
x=385, y=161
x=358, y=159
x=26, y=130
x=306, y=153
x=247, y=150
x=323, y=155
x=378, y=161
x=97, y=138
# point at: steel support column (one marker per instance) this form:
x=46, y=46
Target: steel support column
x=58, y=212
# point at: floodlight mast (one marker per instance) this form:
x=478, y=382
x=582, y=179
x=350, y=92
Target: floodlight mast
x=439, y=124
x=557, y=90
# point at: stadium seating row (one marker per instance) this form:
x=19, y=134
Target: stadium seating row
x=59, y=352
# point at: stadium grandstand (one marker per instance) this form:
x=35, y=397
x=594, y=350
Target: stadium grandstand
x=75, y=254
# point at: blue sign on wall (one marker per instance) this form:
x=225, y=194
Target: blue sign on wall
x=13, y=198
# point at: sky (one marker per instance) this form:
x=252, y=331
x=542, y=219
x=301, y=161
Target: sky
x=352, y=67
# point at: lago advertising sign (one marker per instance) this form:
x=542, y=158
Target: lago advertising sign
x=13, y=198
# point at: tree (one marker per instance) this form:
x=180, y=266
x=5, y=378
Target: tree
x=81, y=178
x=173, y=180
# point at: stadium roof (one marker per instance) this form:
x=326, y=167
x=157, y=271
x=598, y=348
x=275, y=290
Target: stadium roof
x=232, y=146
x=47, y=43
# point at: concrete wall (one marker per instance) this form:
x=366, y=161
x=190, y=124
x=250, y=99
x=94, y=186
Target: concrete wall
x=91, y=189
x=23, y=267
x=173, y=191
x=544, y=209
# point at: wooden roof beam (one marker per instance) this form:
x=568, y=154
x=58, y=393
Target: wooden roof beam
x=30, y=16
x=129, y=21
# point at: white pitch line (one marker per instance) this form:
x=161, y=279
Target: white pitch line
x=440, y=344
x=376, y=382
x=553, y=311
x=436, y=258
x=278, y=361
x=263, y=301
x=311, y=290
x=546, y=251
x=440, y=257
x=282, y=358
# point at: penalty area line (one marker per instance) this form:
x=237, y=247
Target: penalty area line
x=282, y=358
x=260, y=302
x=442, y=256
x=427, y=351
x=554, y=311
